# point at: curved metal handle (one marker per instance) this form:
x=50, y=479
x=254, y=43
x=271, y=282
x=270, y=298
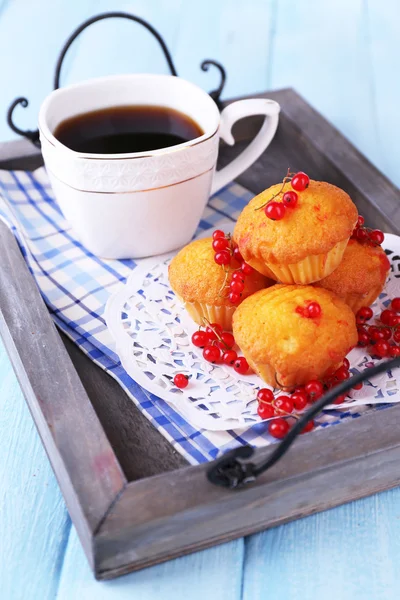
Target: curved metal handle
x=230, y=472
x=33, y=136
x=110, y=15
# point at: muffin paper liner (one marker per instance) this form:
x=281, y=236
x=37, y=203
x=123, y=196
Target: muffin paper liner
x=309, y=270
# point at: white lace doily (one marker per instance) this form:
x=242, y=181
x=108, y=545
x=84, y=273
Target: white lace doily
x=152, y=334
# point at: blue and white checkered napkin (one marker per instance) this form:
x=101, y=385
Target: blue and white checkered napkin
x=76, y=285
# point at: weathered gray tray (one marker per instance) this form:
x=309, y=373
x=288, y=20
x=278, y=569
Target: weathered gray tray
x=132, y=498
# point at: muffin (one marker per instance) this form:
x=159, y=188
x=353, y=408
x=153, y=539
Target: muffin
x=305, y=245
x=203, y=286
x=360, y=277
x=292, y=334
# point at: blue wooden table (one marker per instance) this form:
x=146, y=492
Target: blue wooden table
x=342, y=56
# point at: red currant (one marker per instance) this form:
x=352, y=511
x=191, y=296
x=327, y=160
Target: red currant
x=314, y=389
x=363, y=339
x=234, y=298
x=381, y=349
x=241, y=365
x=386, y=332
x=181, y=380
x=220, y=244
x=300, y=181
x=218, y=234
x=308, y=427
x=246, y=269
x=299, y=400
x=278, y=428
x=360, y=221
x=214, y=330
x=387, y=316
x=212, y=354
x=200, y=339
x=285, y=404
x=357, y=386
x=394, y=351
x=361, y=235
x=375, y=334
x=229, y=357
x=364, y=314
x=340, y=399
x=376, y=236
x=396, y=335
x=265, y=395
x=275, y=211
x=237, y=256
x=222, y=258
x=342, y=374
x=228, y=339
x=313, y=310
x=395, y=321
x=265, y=411
x=395, y=304
x=290, y=199
x=237, y=276
x=346, y=363
x=236, y=286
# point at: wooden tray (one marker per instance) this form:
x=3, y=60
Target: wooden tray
x=132, y=498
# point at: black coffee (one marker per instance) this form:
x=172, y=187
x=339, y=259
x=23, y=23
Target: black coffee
x=124, y=129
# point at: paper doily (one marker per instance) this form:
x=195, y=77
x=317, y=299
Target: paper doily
x=152, y=334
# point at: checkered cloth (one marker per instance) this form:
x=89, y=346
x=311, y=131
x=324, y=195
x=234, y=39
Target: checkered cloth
x=76, y=285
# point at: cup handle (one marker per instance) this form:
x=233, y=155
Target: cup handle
x=232, y=113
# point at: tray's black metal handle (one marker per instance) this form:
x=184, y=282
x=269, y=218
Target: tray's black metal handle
x=231, y=472
x=33, y=136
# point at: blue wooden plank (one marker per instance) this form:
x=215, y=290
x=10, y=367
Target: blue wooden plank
x=34, y=524
x=349, y=553
x=321, y=49
x=233, y=32
x=214, y=573
x=383, y=32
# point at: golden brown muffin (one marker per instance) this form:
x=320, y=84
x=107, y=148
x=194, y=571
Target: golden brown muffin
x=307, y=244
x=284, y=345
x=360, y=277
x=203, y=285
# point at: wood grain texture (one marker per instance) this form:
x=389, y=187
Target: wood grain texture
x=171, y=515
x=342, y=56
x=347, y=553
x=214, y=574
x=87, y=470
x=34, y=523
x=140, y=449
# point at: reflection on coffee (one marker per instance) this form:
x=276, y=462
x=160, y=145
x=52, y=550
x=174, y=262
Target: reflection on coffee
x=123, y=129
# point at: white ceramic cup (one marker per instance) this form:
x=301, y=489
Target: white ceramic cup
x=144, y=203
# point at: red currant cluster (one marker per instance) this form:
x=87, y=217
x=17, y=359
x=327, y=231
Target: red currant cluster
x=225, y=252
x=364, y=235
x=383, y=338
x=276, y=210
x=218, y=347
x=289, y=405
x=270, y=407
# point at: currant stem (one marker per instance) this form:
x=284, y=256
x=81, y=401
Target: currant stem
x=287, y=177
x=215, y=332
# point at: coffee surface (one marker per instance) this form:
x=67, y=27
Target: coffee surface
x=124, y=129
